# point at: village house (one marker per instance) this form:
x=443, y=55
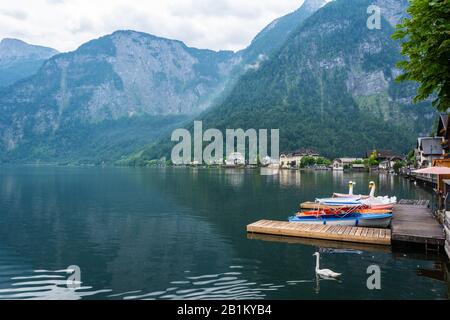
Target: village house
x=443, y=131
x=293, y=159
x=387, y=159
x=268, y=161
x=384, y=155
x=428, y=149
x=235, y=159
x=359, y=167
x=340, y=164
x=388, y=164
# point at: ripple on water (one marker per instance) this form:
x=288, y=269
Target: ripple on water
x=42, y=285
x=226, y=286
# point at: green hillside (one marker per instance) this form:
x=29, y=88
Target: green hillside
x=330, y=87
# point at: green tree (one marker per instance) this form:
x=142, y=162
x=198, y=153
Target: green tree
x=426, y=36
x=323, y=161
x=372, y=160
x=398, y=165
x=307, y=162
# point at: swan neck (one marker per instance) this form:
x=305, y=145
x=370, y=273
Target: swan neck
x=372, y=191
x=317, y=262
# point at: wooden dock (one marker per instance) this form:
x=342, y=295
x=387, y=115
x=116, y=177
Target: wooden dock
x=321, y=243
x=325, y=232
x=413, y=222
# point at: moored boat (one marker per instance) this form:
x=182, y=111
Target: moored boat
x=343, y=211
x=354, y=201
x=350, y=193
x=317, y=206
x=354, y=220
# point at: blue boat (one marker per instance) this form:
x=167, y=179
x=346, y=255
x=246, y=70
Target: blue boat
x=352, y=219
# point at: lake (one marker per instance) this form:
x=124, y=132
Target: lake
x=177, y=233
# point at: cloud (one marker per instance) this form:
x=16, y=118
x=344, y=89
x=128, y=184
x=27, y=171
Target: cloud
x=13, y=13
x=213, y=24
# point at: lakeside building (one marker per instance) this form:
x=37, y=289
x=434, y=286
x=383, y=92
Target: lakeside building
x=428, y=150
x=443, y=131
x=269, y=162
x=388, y=164
x=235, y=159
x=359, y=167
x=383, y=155
x=340, y=164
x=294, y=158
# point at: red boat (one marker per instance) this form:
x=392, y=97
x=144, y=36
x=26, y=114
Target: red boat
x=376, y=209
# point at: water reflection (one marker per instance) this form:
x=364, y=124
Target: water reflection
x=290, y=178
x=234, y=177
x=41, y=285
x=225, y=286
x=135, y=232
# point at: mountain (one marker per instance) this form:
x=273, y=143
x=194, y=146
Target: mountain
x=272, y=37
x=119, y=93
x=104, y=85
x=19, y=60
x=330, y=87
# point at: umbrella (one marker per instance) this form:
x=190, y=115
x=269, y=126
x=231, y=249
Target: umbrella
x=434, y=170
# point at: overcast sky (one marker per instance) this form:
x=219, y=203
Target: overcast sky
x=213, y=24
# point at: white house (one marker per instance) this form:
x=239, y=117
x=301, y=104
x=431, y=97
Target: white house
x=388, y=164
x=235, y=159
x=428, y=150
x=268, y=161
x=340, y=163
x=293, y=159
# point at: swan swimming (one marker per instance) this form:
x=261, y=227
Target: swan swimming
x=327, y=273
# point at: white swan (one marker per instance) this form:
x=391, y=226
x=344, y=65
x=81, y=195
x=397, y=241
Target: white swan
x=372, y=187
x=324, y=272
x=350, y=187
x=350, y=194
x=372, y=200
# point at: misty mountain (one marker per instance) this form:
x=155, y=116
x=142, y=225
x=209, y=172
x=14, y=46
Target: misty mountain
x=119, y=77
x=19, y=60
x=330, y=87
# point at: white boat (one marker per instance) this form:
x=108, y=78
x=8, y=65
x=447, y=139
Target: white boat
x=374, y=201
x=365, y=199
x=357, y=201
x=350, y=201
x=350, y=193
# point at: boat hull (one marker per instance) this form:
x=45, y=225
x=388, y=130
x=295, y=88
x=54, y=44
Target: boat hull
x=331, y=212
x=360, y=220
x=343, y=195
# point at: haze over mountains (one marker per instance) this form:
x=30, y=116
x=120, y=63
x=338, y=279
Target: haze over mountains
x=319, y=74
x=19, y=60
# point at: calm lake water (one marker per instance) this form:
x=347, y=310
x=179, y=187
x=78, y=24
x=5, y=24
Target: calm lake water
x=180, y=234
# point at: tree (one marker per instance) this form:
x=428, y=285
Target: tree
x=307, y=161
x=372, y=160
x=426, y=36
x=398, y=165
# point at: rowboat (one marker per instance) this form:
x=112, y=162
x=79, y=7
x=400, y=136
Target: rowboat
x=350, y=201
x=354, y=220
x=317, y=206
x=343, y=211
x=354, y=201
x=344, y=195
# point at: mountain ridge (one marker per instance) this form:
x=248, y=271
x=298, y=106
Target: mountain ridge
x=19, y=60
x=123, y=75
x=331, y=87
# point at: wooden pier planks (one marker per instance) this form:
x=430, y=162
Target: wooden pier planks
x=414, y=222
x=335, y=233
x=320, y=243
